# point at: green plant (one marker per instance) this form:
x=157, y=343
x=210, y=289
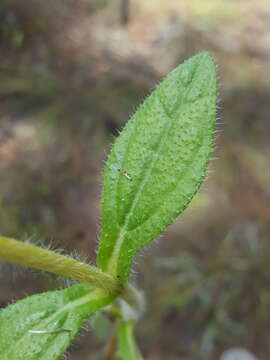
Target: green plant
x=155, y=168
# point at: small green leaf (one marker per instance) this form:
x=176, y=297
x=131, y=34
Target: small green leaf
x=42, y=326
x=158, y=163
x=126, y=342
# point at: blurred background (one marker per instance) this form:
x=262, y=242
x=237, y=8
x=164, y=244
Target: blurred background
x=71, y=74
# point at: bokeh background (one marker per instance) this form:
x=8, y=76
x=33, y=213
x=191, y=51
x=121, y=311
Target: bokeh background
x=71, y=74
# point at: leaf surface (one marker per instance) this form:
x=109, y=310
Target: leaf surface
x=61, y=313
x=158, y=163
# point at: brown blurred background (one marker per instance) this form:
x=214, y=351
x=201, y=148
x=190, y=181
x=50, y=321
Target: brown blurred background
x=71, y=74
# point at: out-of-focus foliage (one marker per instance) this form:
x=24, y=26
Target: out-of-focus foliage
x=70, y=76
x=220, y=295
x=58, y=106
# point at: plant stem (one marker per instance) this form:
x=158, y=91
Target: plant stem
x=26, y=254
x=126, y=342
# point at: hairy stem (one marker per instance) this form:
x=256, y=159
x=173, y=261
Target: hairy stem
x=23, y=253
x=26, y=254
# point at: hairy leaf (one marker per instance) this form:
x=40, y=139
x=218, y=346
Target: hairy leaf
x=158, y=163
x=42, y=326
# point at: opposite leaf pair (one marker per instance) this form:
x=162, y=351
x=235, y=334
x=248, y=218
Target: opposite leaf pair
x=155, y=168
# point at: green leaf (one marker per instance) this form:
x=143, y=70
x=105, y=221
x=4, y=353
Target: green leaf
x=158, y=163
x=126, y=342
x=61, y=313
